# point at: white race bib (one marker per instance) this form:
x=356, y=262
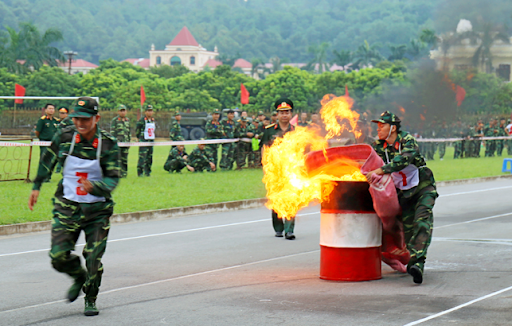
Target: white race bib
x=406, y=178
x=149, y=131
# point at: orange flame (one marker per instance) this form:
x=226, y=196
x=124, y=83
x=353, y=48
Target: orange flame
x=289, y=186
x=336, y=112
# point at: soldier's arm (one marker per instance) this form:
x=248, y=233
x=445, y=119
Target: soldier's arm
x=48, y=161
x=113, y=128
x=399, y=162
x=138, y=128
x=111, y=173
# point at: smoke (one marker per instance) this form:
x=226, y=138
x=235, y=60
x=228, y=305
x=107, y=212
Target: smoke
x=427, y=96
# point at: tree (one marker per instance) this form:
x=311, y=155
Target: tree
x=397, y=52
x=228, y=60
x=276, y=64
x=428, y=36
x=367, y=55
x=416, y=49
x=28, y=48
x=166, y=71
x=319, y=61
x=342, y=58
x=488, y=36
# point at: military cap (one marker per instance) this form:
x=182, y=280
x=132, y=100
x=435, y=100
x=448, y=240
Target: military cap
x=177, y=113
x=149, y=107
x=63, y=109
x=388, y=117
x=261, y=113
x=216, y=111
x=274, y=113
x=86, y=107
x=283, y=104
x=267, y=118
x=121, y=107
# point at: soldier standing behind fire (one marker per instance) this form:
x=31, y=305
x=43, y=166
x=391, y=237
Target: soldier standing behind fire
x=284, y=108
x=416, y=187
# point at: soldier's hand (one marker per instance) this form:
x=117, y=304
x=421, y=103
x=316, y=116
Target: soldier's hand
x=185, y=157
x=32, y=200
x=191, y=169
x=250, y=134
x=86, y=184
x=212, y=166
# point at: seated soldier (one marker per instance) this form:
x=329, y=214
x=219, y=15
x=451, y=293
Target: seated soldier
x=201, y=160
x=177, y=160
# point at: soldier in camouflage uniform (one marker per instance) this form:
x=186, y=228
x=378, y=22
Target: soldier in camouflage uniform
x=145, y=132
x=285, y=107
x=65, y=121
x=458, y=132
x=175, y=128
x=83, y=200
x=120, y=129
x=255, y=154
x=214, y=131
x=200, y=159
x=442, y=133
x=303, y=120
x=490, y=131
x=46, y=128
x=228, y=149
x=416, y=187
x=177, y=160
x=500, y=144
x=508, y=132
x=243, y=130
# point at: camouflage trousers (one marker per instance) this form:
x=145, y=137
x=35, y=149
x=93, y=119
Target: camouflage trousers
x=478, y=144
x=458, y=147
x=500, y=144
x=213, y=150
x=490, y=148
x=145, y=161
x=242, y=152
x=431, y=149
x=69, y=219
x=123, y=161
x=228, y=156
x=200, y=166
x=280, y=226
x=174, y=165
x=509, y=147
x=418, y=220
x=255, y=159
x=442, y=150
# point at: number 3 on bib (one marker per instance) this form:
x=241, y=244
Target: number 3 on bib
x=404, y=178
x=80, y=191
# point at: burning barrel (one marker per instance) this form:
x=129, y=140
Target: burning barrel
x=350, y=230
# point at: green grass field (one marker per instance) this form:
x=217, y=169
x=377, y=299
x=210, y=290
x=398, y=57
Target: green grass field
x=164, y=190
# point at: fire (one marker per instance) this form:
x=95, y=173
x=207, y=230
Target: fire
x=336, y=112
x=290, y=187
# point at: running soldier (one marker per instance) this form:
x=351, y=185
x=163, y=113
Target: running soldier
x=83, y=200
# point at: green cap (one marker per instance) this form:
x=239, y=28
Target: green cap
x=86, y=107
x=177, y=113
x=149, y=107
x=121, y=107
x=261, y=113
x=216, y=111
x=388, y=117
x=274, y=113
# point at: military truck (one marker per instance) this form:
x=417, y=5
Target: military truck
x=193, y=123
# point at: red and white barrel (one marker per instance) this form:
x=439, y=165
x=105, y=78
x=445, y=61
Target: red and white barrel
x=350, y=235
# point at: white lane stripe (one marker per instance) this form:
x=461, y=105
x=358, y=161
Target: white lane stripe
x=472, y=221
x=442, y=313
x=507, y=242
x=474, y=191
x=170, y=279
x=158, y=234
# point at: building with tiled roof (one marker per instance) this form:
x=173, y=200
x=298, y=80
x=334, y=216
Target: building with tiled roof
x=141, y=62
x=184, y=50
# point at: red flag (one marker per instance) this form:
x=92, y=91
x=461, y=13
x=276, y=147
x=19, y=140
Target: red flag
x=460, y=95
x=142, y=95
x=346, y=90
x=19, y=91
x=295, y=120
x=244, y=94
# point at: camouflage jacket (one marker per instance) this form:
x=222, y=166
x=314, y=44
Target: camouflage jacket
x=67, y=121
x=120, y=128
x=84, y=149
x=241, y=132
x=140, y=126
x=228, y=127
x=272, y=132
x=199, y=157
x=214, y=130
x=491, y=131
x=303, y=124
x=175, y=131
x=403, y=152
x=175, y=154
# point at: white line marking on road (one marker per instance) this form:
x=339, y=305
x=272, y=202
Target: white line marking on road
x=160, y=234
x=170, y=279
x=472, y=221
x=442, y=313
x=474, y=191
x=507, y=242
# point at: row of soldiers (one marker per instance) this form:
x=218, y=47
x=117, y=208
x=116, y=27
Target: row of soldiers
x=470, y=142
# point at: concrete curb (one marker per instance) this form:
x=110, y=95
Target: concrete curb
x=177, y=212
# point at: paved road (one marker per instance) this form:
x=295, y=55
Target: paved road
x=229, y=269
